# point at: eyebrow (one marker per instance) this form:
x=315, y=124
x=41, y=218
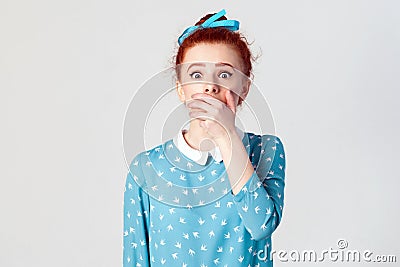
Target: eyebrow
x=224, y=64
x=216, y=64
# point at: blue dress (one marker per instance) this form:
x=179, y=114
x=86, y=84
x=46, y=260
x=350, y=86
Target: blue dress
x=181, y=213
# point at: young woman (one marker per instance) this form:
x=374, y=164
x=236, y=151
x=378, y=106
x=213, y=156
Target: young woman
x=213, y=195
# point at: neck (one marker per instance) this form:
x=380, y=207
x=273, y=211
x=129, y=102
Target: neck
x=198, y=138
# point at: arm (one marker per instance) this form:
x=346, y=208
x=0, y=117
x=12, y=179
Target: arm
x=136, y=219
x=260, y=199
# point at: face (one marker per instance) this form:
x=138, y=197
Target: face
x=212, y=69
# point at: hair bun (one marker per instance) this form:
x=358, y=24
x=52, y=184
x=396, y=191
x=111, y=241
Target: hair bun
x=203, y=19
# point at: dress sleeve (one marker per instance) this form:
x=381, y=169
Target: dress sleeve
x=136, y=218
x=260, y=201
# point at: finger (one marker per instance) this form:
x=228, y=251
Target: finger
x=205, y=98
x=201, y=95
x=199, y=115
x=196, y=104
x=230, y=101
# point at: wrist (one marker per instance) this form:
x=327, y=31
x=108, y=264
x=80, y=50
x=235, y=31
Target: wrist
x=227, y=138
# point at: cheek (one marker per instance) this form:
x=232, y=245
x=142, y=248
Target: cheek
x=191, y=89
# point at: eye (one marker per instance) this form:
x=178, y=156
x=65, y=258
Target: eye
x=225, y=74
x=195, y=75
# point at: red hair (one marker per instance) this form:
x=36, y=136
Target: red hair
x=218, y=35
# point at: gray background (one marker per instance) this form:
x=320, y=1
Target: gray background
x=68, y=70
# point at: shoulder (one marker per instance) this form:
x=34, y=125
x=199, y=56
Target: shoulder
x=143, y=165
x=267, y=151
x=264, y=146
x=152, y=154
x=257, y=140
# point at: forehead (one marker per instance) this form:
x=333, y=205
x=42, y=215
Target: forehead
x=213, y=53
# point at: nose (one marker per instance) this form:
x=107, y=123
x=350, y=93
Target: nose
x=211, y=89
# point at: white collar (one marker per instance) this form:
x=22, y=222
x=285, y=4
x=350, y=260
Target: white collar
x=196, y=155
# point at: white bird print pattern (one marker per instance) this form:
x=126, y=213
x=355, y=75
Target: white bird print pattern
x=169, y=219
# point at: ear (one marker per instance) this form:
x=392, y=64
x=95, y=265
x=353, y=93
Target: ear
x=180, y=92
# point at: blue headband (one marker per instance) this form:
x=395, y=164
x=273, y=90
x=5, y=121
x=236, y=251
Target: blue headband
x=211, y=22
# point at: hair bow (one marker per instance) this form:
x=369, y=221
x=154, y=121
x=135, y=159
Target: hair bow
x=211, y=22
